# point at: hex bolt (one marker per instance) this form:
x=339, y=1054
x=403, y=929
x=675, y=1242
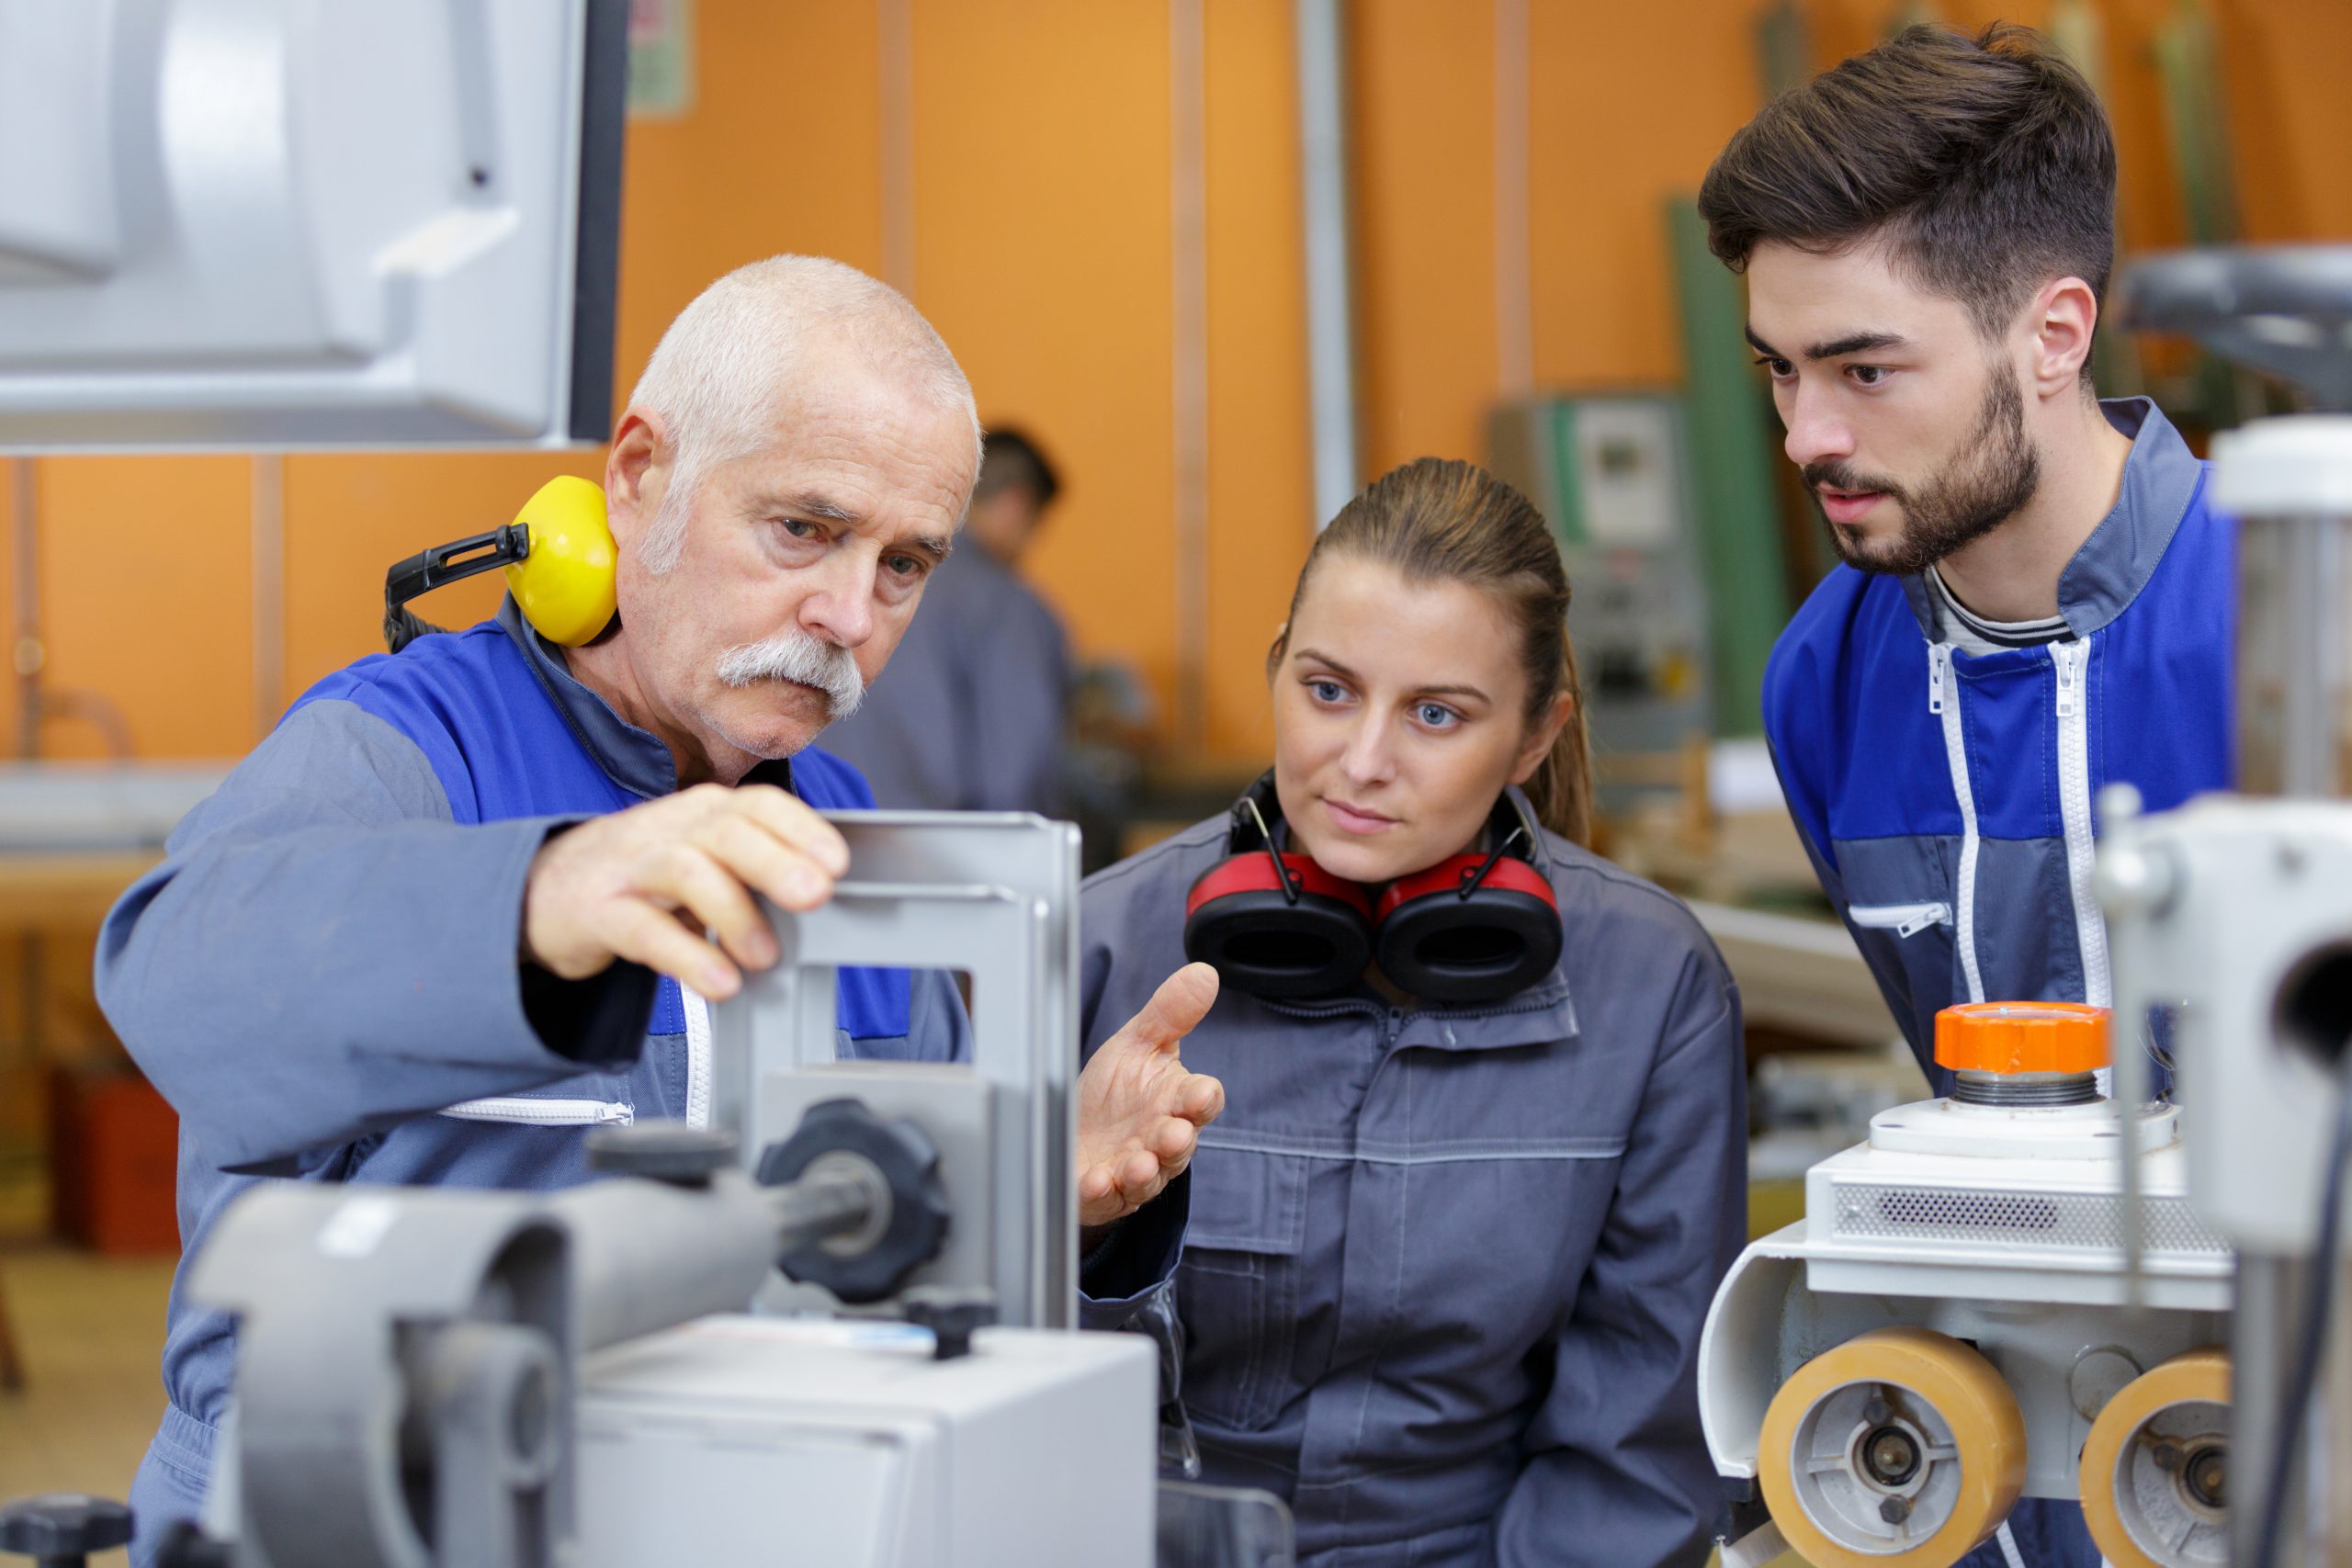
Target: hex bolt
x=1894, y=1510
x=2166, y=1455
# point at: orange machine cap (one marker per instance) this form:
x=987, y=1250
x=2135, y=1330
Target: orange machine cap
x=2022, y=1037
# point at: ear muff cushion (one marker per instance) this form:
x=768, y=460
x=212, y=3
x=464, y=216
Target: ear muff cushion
x=1237, y=920
x=1437, y=944
x=565, y=588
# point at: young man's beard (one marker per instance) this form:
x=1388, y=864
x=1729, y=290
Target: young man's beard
x=1988, y=481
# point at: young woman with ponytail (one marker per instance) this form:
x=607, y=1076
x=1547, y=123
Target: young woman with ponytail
x=1445, y=1259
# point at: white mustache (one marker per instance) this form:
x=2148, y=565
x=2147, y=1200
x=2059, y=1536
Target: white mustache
x=793, y=655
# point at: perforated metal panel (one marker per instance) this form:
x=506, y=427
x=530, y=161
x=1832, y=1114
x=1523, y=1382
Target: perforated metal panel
x=2051, y=1222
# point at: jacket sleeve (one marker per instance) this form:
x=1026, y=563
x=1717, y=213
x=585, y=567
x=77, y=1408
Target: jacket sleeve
x=1616, y=1469
x=323, y=953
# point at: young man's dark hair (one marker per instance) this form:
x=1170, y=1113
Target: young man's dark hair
x=1986, y=161
x=1010, y=460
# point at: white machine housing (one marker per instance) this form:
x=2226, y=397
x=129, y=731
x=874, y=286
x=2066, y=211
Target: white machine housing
x=2014, y=1245
x=845, y=1445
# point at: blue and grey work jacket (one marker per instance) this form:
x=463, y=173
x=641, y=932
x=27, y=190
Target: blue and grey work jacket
x=1445, y=1266
x=323, y=975
x=1946, y=799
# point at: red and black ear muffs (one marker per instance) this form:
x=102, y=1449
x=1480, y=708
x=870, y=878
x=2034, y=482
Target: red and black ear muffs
x=1476, y=927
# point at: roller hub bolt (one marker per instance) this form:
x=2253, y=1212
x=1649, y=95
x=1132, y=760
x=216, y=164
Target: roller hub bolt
x=2206, y=1475
x=1890, y=1456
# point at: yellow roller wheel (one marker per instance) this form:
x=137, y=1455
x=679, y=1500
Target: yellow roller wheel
x=1900, y=1448
x=2154, y=1464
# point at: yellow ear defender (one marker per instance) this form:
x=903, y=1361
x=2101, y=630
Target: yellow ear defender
x=558, y=557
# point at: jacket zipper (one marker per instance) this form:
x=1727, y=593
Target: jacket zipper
x=2072, y=660
x=698, y=1014
x=1902, y=919
x=1943, y=698
x=545, y=1112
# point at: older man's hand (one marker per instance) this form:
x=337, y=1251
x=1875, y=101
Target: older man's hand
x=1139, y=1110
x=650, y=882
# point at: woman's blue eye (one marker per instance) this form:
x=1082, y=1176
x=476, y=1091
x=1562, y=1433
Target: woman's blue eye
x=1437, y=716
x=1325, y=691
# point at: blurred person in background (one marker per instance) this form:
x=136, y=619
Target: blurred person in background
x=973, y=716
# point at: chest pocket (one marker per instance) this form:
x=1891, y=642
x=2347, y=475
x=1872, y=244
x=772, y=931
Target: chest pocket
x=1237, y=1286
x=1904, y=909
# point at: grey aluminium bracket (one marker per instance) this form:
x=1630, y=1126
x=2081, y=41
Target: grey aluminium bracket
x=994, y=894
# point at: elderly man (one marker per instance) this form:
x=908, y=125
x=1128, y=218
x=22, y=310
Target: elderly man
x=436, y=925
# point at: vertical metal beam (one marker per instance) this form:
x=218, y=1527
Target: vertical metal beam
x=269, y=590
x=1188, y=184
x=1514, y=283
x=1731, y=477
x=896, y=51
x=1330, y=293
x=29, y=654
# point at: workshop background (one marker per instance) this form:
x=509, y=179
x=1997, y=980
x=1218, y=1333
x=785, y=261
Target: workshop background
x=1101, y=207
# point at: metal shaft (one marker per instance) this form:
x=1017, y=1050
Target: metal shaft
x=2270, y=1293
x=2294, y=670
x=825, y=1202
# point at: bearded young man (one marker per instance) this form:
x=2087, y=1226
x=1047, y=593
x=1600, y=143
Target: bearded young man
x=2036, y=600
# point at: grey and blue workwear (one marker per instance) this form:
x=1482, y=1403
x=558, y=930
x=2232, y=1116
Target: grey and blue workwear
x=324, y=976
x=1445, y=1268
x=1946, y=798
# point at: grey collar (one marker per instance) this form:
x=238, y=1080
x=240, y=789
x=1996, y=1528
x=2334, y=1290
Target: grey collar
x=632, y=758
x=2160, y=479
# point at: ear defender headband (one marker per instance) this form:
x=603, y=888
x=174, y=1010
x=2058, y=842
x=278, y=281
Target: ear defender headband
x=1476, y=927
x=1275, y=923
x=559, y=555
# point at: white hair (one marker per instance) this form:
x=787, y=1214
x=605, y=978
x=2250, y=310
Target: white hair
x=728, y=364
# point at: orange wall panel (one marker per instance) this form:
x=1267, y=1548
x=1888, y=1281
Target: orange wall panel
x=1043, y=236
x=1422, y=132
x=1261, y=489
x=1627, y=104
x=146, y=599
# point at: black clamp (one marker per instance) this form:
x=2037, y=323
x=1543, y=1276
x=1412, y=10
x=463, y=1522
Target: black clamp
x=871, y=1264
x=953, y=1313
x=60, y=1529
